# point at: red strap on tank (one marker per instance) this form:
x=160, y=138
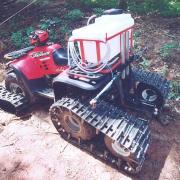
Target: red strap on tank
x=82, y=51
x=131, y=38
x=98, y=51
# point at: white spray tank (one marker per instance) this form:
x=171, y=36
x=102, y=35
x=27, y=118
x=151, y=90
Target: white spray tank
x=98, y=44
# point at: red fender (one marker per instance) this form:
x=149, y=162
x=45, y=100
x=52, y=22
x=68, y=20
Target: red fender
x=39, y=62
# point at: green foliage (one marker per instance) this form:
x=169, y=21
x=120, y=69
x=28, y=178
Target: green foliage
x=164, y=70
x=98, y=11
x=163, y=7
x=145, y=63
x=48, y=22
x=25, y=38
x=170, y=8
x=29, y=30
x=75, y=15
x=53, y=36
x=17, y=39
x=167, y=48
x=101, y=3
x=136, y=35
x=90, y=4
x=64, y=29
x=21, y=38
x=143, y=7
x=43, y=25
x=175, y=90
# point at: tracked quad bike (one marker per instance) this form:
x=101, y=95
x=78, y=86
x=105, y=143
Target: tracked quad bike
x=91, y=83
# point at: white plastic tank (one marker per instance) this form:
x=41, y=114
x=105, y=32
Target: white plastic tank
x=109, y=36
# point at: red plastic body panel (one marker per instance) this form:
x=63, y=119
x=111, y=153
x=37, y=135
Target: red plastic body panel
x=39, y=62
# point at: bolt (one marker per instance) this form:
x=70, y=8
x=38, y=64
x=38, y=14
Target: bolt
x=69, y=136
x=156, y=111
x=119, y=162
x=105, y=154
x=91, y=147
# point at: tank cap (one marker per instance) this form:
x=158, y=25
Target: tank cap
x=113, y=11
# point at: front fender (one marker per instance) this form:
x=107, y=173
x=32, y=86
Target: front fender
x=23, y=80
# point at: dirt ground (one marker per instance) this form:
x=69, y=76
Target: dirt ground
x=31, y=148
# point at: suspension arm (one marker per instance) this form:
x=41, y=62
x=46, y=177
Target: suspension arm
x=105, y=89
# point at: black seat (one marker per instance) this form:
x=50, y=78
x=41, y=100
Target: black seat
x=60, y=57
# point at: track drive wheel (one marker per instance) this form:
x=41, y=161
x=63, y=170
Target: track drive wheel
x=152, y=96
x=122, y=153
x=149, y=94
x=73, y=125
x=13, y=85
x=115, y=148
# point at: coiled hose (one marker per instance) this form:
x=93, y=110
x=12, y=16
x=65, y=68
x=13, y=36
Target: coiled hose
x=89, y=68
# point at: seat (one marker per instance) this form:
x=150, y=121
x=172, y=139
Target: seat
x=60, y=57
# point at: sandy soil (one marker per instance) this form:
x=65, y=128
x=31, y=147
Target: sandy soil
x=32, y=149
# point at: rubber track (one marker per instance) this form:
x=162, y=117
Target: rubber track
x=131, y=132
x=14, y=103
x=153, y=79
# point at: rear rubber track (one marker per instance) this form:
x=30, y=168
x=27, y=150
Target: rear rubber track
x=133, y=133
x=13, y=103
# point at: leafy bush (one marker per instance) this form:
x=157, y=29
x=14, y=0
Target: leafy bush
x=64, y=29
x=163, y=7
x=47, y=22
x=75, y=15
x=136, y=36
x=168, y=7
x=90, y=4
x=145, y=63
x=98, y=11
x=175, y=90
x=102, y=3
x=17, y=39
x=21, y=38
x=167, y=48
x=164, y=70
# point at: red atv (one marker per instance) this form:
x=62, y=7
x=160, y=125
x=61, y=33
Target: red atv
x=33, y=68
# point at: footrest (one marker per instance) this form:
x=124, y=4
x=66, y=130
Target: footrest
x=47, y=93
